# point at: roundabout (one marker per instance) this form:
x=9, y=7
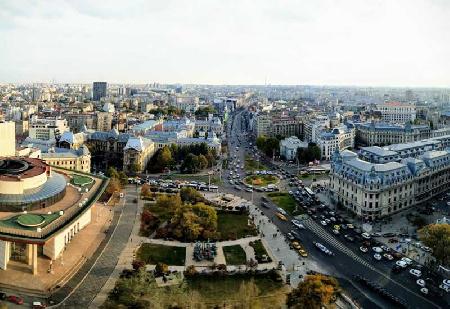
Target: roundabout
x=30, y=220
x=261, y=180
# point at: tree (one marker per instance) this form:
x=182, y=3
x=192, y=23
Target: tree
x=211, y=159
x=437, y=237
x=172, y=203
x=205, y=111
x=202, y=162
x=135, y=168
x=113, y=186
x=164, y=158
x=314, y=292
x=112, y=172
x=137, y=264
x=145, y=190
x=190, y=163
x=190, y=195
x=123, y=178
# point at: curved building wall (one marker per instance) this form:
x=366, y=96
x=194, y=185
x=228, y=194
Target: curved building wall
x=20, y=185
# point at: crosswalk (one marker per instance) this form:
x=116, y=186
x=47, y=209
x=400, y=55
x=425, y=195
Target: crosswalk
x=320, y=231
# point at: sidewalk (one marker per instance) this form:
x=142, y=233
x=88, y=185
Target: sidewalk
x=125, y=260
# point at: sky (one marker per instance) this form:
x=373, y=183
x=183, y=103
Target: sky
x=319, y=42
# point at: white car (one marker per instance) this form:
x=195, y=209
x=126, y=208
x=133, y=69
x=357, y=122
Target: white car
x=365, y=235
x=377, y=256
x=420, y=282
x=377, y=249
x=424, y=291
x=323, y=223
x=406, y=260
x=445, y=287
x=388, y=257
x=363, y=249
x=415, y=272
x=402, y=264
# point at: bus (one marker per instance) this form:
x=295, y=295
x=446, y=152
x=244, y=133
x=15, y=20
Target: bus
x=309, y=191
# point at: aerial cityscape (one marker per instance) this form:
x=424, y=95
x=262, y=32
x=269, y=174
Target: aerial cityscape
x=225, y=154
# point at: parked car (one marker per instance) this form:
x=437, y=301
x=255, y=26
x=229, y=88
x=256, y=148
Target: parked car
x=377, y=256
x=363, y=249
x=415, y=272
x=15, y=299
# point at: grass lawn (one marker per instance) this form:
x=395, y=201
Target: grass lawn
x=251, y=165
x=152, y=254
x=233, y=226
x=235, y=255
x=260, y=250
x=82, y=181
x=261, y=180
x=283, y=200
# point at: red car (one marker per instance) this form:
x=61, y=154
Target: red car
x=15, y=299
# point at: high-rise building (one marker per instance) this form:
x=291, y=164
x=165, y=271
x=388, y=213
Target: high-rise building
x=98, y=90
x=7, y=138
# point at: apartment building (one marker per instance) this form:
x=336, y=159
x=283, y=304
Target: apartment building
x=377, y=133
x=397, y=112
x=47, y=128
x=340, y=138
x=313, y=127
x=136, y=154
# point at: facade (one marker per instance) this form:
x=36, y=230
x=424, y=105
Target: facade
x=47, y=128
x=7, y=138
x=44, y=232
x=339, y=138
x=211, y=124
x=375, y=190
x=314, y=126
x=263, y=123
x=71, y=159
x=99, y=90
x=286, y=126
x=137, y=152
x=380, y=134
x=104, y=121
x=187, y=103
x=289, y=146
x=396, y=112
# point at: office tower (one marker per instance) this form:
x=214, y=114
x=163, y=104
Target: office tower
x=98, y=90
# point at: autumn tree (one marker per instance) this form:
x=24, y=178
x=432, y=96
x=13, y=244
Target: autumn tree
x=437, y=237
x=164, y=159
x=190, y=195
x=113, y=186
x=202, y=162
x=172, y=203
x=314, y=292
x=145, y=190
x=112, y=172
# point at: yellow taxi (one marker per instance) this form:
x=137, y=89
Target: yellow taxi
x=281, y=217
x=303, y=252
x=296, y=245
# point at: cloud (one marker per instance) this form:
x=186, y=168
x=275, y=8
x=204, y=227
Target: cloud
x=379, y=42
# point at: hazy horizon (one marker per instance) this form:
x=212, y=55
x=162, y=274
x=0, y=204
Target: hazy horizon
x=397, y=44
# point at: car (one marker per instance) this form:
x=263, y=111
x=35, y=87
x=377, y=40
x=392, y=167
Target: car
x=376, y=234
x=38, y=305
x=377, y=256
x=248, y=189
x=327, y=220
x=323, y=222
x=2, y=296
x=297, y=223
x=265, y=205
x=363, y=249
x=446, y=282
x=377, y=249
x=401, y=264
x=337, y=227
x=296, y=245
x=303, y=253
x=415, y=272
x=407, y=260
x=420, y=282
x=290, y=236
x=397, y=269
x=281, y=217
x=388, y=234
x=424, y=291
x=349, y=238
x=350, y=226
x=388, y=257
x=336, y=232
x=445, y=287
x=365, y=235
x=15, y=299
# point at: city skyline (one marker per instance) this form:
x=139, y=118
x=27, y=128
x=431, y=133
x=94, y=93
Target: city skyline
x=344, y=43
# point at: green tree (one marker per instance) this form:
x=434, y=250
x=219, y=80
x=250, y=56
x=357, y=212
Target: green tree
x=123, y=178
x=135, y=168
x=437, y=237
x=172, y=203
x=205, y=111
x=202, y=162
x=164, y=158
x=112, y=172
x=316, y=291
x=190, y=195
x=190, y=164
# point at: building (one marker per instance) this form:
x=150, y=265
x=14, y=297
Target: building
x=47, y=128
x=104, y=121
x=339, y=138
x=71, y=159
x=40, y=213
x=375, y=190
x=286, y=126
x=99, y=90
x=137, y=152
x=7, y=138
x=313, y=127
x=289, y=147
x=187, y=103
x=263, y=123
x=396, y=112
x=211, y=124
x=380, y=134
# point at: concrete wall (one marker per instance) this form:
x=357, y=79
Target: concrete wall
x=4, y=253
x=17, y=187
x=55, y=246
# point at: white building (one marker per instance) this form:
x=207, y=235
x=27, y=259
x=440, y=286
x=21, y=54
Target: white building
x=397, y=112
x=7, y=138
x=314, y=126
x=187, y=103
x=289, y=146
x=47, y=128
x=339, y=138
